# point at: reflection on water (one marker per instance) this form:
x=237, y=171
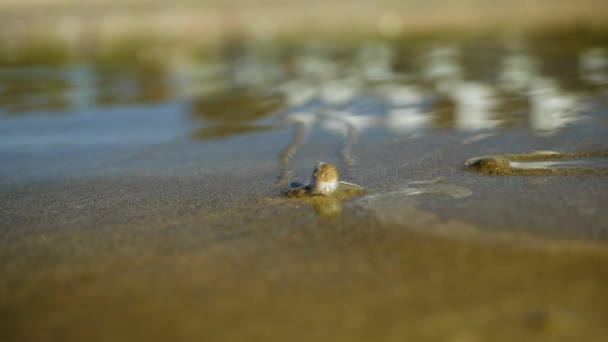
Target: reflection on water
x=76, y=87
x=551, y=108
x=403, y=86
x=233, y=113
x=475, y=104
x=594, y=66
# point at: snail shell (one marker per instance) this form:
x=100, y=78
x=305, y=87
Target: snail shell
x=324, y=180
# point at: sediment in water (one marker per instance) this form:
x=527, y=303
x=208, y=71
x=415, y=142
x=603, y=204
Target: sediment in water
x=501, y=165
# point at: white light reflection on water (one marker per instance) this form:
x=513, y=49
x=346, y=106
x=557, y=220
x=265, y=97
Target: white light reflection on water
x=475, y=107
x=551, y=108
x=594, y=66
x=442, y=66
x=375, y=62
x=345, y=90
x=402, y=95
x=518, y=71
x=298, y=92
x=339, y=92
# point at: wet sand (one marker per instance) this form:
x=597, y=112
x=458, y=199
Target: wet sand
x=199, y=250
x=319, y=281
x=547, y=163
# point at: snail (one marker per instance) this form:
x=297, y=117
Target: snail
x=325, y=181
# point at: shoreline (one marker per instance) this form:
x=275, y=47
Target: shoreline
x=211, y=23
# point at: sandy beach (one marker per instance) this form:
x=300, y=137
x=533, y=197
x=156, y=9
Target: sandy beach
x=142, y=193
x=204, y=248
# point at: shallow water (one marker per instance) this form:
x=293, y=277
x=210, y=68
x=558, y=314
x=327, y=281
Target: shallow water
x=141, y=189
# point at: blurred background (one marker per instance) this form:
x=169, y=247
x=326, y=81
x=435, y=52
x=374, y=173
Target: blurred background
x=463, y=64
